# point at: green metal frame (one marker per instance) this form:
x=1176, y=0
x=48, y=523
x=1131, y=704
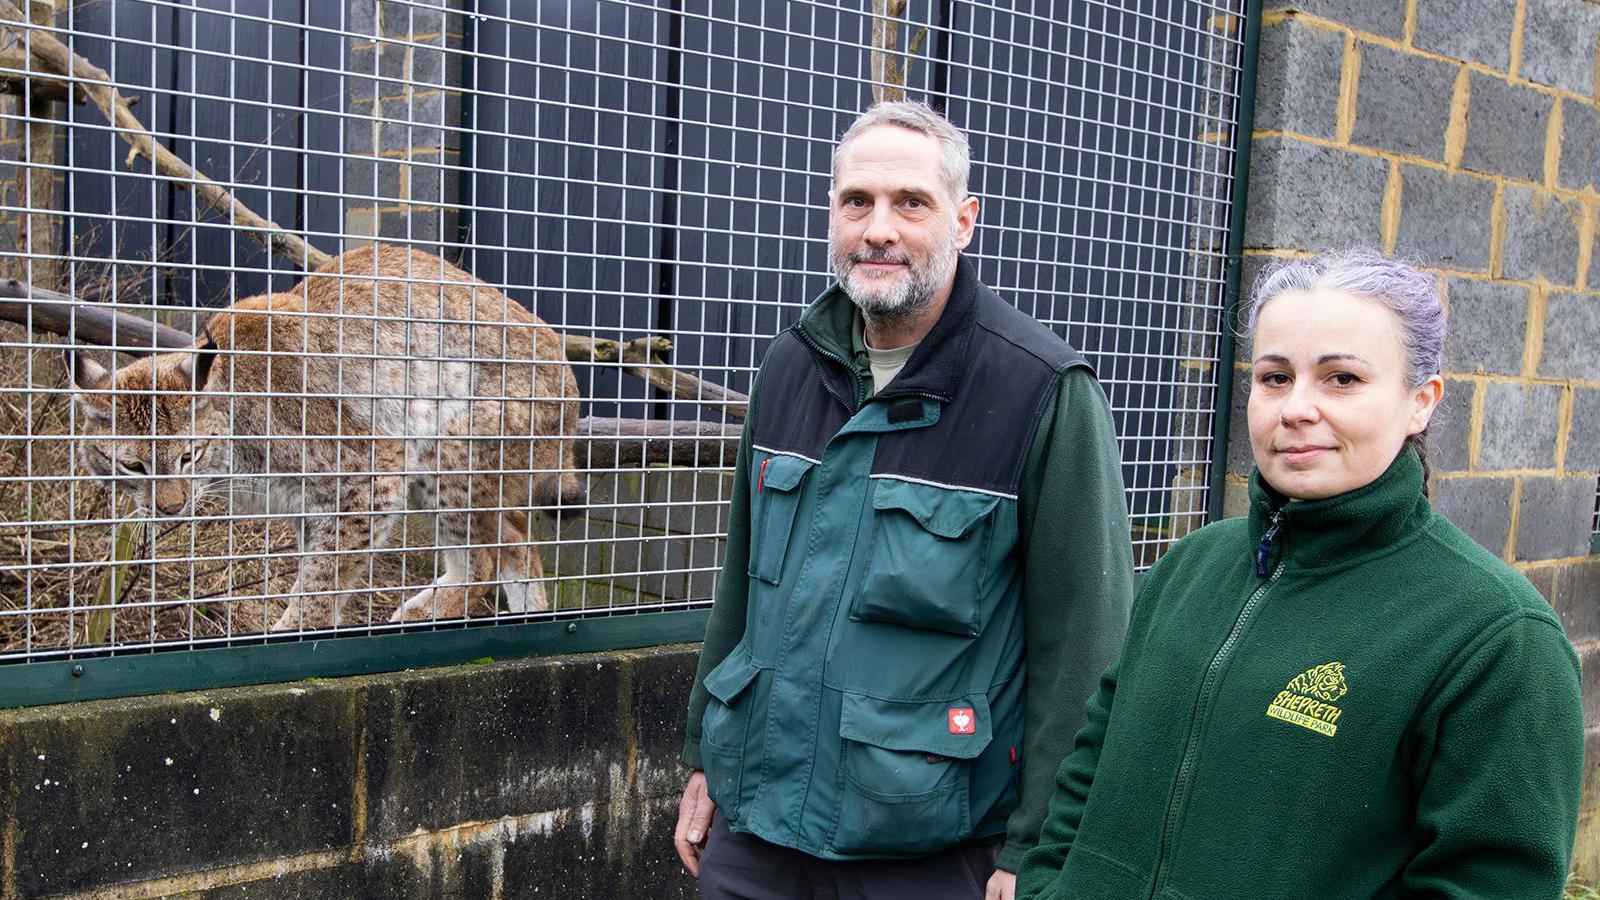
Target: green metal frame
x=134, y=674
x=1230, y=312
x=271, y=661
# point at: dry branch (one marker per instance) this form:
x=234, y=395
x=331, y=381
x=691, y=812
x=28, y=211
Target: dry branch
x=90, y=323
x=55, y=57
x=89, y=79
x=631, y=443
x=103, y=324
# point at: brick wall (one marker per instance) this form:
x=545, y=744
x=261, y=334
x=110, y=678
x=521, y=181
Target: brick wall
x=28, y=147
x=403, y=139
x=1464, y=134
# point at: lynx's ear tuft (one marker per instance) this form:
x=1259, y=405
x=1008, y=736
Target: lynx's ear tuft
x=197, y=365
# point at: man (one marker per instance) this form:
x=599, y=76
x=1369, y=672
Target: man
x=928, y=564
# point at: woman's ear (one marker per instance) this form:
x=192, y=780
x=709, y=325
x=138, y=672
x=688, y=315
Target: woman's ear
x=1424, y=400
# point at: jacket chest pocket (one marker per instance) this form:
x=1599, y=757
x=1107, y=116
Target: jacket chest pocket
x=773, y=506
x=929, y=558
x=907, y=769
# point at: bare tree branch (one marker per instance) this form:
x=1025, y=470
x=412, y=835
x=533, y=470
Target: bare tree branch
x=56, y=57
x=88, y=79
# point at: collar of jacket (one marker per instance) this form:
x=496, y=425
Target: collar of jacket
x=935, y=368
x=1349, y=528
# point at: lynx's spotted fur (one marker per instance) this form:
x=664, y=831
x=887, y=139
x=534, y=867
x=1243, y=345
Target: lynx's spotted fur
x=386, y=382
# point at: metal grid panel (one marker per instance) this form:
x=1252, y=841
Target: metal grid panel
x=622, y=169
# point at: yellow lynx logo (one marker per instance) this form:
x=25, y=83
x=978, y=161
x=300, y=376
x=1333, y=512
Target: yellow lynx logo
x=1308, y=699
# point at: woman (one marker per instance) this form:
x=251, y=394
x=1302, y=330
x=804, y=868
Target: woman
x=1342, y=695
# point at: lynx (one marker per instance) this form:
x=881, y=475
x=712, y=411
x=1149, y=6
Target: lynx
x=386, y=382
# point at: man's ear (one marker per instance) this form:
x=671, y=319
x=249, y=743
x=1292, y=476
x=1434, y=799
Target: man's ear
x=88, y=379
x=966, y=221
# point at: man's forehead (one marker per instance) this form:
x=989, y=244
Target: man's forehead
x=889, y=149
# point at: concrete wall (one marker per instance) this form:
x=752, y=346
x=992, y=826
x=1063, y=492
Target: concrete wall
x=555, y=777
x=1466, y=135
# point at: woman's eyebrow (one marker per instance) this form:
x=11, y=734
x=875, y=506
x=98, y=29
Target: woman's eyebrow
x=1322, y=360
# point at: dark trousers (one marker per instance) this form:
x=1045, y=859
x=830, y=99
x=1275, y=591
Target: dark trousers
x=744, y=867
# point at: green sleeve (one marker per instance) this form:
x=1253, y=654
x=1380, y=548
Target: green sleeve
x=1498, y=755
x=726, y=625
x=1043, y=863
x=1077, y=584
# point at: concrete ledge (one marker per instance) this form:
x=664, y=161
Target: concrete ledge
x=555, y=776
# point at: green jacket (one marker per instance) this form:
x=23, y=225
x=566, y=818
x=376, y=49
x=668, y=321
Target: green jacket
x=888, y=594
x=1336, y=698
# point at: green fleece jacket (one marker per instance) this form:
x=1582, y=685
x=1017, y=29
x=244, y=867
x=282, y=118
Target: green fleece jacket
x=1077, y=564
x=1337, y=698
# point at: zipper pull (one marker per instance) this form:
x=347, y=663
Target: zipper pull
x=761, y=477
x=1265, y=547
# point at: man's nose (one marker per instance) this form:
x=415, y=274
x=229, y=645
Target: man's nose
x=882, y=229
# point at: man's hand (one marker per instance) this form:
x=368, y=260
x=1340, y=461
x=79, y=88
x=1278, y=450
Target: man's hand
x=694, y=821
x=1002, y=886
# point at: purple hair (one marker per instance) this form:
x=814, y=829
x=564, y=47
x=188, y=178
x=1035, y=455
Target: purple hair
x=1412, y=295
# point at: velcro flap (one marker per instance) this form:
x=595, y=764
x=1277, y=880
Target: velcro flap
x=784, y=473
x=731, y=676
x=958, y=728
x=947, y=512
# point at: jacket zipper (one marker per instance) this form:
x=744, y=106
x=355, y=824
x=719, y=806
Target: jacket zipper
x=855, y=380
x=1202, y=703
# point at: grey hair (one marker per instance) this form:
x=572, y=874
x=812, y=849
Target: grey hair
x=1411, y=294
x=955, y=155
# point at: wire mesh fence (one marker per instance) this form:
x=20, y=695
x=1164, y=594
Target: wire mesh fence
x=550, y=242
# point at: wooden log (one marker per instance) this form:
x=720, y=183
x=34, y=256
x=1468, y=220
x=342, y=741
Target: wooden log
x=635, y=443
x=89, y=323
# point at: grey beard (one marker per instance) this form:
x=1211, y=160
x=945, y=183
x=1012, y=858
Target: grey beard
x=908, y=301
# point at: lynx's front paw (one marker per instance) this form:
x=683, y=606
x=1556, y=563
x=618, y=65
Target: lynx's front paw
x=525, y=596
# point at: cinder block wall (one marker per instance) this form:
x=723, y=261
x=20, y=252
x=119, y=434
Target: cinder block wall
x=30, y=222
x=402, y=137
x=1464, y=134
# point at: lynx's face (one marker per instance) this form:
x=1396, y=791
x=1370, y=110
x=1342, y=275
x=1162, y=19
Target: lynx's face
x=142, y=432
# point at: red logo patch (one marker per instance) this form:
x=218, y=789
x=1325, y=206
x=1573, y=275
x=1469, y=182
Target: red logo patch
x=962, y=721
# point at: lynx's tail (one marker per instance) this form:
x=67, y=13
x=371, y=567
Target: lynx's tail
x=566, y=492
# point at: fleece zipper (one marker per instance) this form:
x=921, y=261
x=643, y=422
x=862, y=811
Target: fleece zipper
x=1207, y=693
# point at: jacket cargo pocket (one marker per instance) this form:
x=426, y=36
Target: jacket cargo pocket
x=725, y=727
x=772, y=511
x=928, y=557
x=907, y=768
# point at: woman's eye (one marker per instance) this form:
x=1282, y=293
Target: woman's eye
x=1273, y=379
x=1344, y=379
